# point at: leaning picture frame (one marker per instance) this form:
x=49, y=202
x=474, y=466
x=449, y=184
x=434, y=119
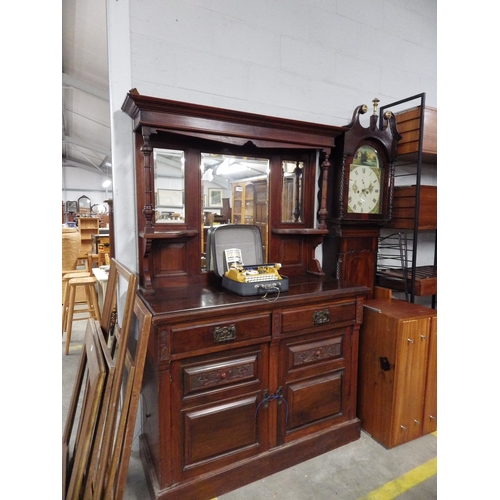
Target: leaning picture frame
x=170, y=198
x=214, y=197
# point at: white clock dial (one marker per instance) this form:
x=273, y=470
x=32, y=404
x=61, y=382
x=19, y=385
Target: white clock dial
x=364, y=190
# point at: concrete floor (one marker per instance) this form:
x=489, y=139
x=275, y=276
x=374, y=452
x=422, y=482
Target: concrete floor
x=360, y=470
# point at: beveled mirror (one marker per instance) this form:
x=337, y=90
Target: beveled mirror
x=169, y=185
x=235, y=191
x=292, y=192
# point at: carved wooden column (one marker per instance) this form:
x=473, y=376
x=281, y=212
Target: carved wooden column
x=147, y=150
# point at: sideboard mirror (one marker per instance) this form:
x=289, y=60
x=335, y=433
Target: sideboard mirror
x=169, y=185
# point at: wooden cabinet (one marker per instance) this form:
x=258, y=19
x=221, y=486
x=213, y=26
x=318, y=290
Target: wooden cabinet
x=87, y=227
x=235, y=387
x=397, y=371
x=243, y=203
x=235, y=395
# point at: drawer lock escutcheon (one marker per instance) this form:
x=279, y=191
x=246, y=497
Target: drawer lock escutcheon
x=224, y=333
x=321, y=317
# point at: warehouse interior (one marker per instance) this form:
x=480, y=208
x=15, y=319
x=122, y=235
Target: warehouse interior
x=357, y=469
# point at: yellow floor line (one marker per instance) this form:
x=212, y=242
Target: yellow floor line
x=405, y=482
x=77, y=347
x=402, y=483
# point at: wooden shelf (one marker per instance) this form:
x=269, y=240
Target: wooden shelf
x=404, y=204
x=87, y=227
x=408, y=123
x=425, y=280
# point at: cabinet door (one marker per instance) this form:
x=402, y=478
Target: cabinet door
x=358, y=257
x=430, y=404
x=410, y=379
x=216, y=409
x=314, y=382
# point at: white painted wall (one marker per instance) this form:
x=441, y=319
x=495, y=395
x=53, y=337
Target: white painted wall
x=77, y=182
x=312, y=60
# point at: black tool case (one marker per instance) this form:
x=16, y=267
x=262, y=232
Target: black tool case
x=248, y=239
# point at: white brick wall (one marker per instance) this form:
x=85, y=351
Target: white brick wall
x=313, y=60
x=309, y=60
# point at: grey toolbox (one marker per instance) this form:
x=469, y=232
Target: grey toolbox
x=248, y=239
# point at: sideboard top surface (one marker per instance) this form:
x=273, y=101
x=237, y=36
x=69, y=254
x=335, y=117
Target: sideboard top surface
x=400, y=309
x=202, y=299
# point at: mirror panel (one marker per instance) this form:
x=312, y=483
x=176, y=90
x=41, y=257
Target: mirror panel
x=292, y=199
x=235, y=191
x=84, y=206
x=169, y=185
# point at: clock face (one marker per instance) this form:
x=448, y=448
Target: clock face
x=365, y=178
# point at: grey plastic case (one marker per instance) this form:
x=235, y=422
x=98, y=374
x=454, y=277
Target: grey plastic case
x=248, y=239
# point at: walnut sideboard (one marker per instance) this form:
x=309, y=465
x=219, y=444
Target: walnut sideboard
x=237, y=388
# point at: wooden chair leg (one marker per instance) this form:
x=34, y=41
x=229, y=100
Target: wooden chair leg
x=65, y=307
x=95, y=302
x=69, y=323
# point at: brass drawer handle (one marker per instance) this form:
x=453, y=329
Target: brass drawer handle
x=224, y=333
x=321, y=317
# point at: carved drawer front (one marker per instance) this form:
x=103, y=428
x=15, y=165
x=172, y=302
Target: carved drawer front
x=319, y=315
x=220, y=374
x=306, y=354
x=314, y=399
x=189, y=337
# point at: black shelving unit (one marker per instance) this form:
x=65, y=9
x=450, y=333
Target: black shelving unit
x=403, y=277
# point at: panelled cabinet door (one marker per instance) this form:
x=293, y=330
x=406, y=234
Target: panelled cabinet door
x=430, y=404
x=219, y=418
x=410, y=379
x=315, y=383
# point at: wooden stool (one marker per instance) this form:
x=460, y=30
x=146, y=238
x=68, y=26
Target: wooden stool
x=88, y=283
x=67, y=275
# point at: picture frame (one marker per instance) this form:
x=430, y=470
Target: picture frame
x=172, y=198
x=214, y=197
x=71, y=207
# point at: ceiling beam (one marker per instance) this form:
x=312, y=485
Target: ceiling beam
x=85, y=166
x=71, y=81
x=93, y=147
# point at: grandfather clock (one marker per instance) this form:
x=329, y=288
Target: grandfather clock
x=360, y=196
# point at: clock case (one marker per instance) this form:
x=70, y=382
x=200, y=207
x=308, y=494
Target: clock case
x=350, y=248
x=384, y=140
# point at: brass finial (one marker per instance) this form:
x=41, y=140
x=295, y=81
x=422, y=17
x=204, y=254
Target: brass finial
x=375, y=105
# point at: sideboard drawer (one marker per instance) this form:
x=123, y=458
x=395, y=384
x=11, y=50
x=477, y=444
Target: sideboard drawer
x=321, y=314
x=303, y=354
x=188, y=338
x=220, y=373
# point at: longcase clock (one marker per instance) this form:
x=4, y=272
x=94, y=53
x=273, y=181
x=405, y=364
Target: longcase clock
x=360, y=196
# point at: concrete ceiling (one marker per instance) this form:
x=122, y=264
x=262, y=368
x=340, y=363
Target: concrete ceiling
x=86, y=134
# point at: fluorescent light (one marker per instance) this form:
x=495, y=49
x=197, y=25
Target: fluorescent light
x=106, y=183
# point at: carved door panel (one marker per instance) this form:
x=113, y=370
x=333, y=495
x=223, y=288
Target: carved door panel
x=314, y=383
x=218, y=415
